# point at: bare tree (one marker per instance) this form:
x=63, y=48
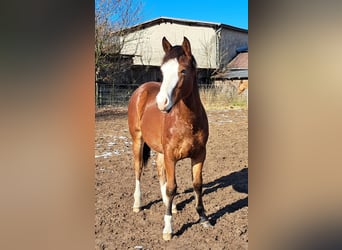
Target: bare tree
x=208, y=47
x=112, y=17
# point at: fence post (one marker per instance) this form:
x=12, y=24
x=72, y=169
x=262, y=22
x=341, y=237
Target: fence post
x=96, y=95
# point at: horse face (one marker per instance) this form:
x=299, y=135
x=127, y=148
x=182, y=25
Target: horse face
x=170, y=80
x=176, y=70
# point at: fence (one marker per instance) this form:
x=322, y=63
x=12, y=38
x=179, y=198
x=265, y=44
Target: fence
x=213, y=96
x=113, y=94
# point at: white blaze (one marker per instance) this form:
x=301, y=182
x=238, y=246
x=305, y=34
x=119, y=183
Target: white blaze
x=170, y=79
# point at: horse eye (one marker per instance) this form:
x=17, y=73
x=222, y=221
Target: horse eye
x=183, y=72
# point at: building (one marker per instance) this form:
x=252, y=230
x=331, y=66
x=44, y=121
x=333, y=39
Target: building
x=213, y=45
x=234, y=76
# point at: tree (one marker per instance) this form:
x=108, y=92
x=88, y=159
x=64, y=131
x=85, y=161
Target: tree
x=112, y=17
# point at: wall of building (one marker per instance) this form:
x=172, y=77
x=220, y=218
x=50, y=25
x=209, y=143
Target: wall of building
x=230, y=40
x=146, y=44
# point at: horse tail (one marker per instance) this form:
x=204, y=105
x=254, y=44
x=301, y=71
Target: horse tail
x=146, y=153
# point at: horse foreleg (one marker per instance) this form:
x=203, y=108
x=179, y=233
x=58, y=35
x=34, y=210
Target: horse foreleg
x=138, y=164
x=162, y=181
x=171, y=188
x=197, y=166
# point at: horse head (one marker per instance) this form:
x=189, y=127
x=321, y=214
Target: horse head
x=179, y=74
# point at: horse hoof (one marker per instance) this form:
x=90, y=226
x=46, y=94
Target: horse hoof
x=206, y=224
x=167, y=236
x=136, y=209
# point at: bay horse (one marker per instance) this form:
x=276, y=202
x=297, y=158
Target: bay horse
x=170, y=119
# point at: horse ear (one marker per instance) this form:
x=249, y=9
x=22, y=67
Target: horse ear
x=186, y=46
x=166, y=45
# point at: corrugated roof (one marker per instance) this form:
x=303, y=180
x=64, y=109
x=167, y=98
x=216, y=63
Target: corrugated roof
x=237, y=74
x=233, y=74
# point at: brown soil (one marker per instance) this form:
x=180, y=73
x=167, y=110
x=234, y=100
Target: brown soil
x=225, y=177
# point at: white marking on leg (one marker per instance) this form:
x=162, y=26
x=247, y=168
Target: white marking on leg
x=174, y=208
x=168, y=224
x=163, y=191
x=137, y=196
x=166, y=199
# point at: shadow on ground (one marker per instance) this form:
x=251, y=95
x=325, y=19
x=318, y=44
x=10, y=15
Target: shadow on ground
x=238, y=180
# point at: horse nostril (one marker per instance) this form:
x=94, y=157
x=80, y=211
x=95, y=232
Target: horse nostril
x=165, y=102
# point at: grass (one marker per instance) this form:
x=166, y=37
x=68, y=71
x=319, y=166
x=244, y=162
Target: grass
x=218, y=98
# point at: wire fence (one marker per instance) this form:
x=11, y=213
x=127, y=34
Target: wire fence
x=113, y=94
x=212, y=95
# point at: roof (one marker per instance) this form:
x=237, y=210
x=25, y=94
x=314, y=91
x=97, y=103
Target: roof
x=236, y=68
x=242, y=49
x=239, y=62
x=232, y=74
x=160, y=20
x=236, y=74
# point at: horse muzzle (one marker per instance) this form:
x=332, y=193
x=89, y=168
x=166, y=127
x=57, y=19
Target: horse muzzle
x=164, y=103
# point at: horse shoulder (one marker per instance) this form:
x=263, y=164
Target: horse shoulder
x=143, y=95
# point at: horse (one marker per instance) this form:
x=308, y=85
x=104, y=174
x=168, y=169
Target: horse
x=169, y=118
x=243, y=85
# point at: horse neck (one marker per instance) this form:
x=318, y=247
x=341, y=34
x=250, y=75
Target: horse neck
x=191, y=103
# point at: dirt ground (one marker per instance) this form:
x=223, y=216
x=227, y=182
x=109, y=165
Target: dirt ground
x=225, y=198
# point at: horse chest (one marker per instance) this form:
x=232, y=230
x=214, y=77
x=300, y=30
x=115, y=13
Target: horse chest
x=183, y=140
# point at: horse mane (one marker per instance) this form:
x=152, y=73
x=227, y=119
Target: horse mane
x=176, y=52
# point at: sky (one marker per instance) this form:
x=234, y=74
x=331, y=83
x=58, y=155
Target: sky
x=230, y=12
